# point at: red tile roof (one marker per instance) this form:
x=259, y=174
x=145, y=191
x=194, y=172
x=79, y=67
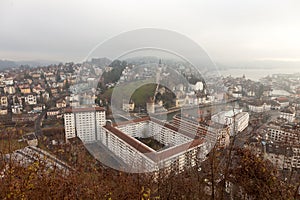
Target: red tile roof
x=150, y=153
x=282, y=99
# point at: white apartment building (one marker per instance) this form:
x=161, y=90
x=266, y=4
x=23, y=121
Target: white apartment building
x=84, y=123
x=289, y=114
x=241, y=121
x=214, y=132
x=181, y=149
x=235, y=119
x=256, y=107
x=284, y=134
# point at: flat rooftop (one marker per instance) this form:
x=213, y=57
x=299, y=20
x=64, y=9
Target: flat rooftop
x=84, y=109
x=31, y=154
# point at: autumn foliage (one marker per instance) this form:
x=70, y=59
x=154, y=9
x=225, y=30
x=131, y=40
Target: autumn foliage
x=249, y=175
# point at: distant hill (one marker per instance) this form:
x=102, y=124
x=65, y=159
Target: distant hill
x=100, y=62
x=37, y=63
x=4, y=64
x=7, y=64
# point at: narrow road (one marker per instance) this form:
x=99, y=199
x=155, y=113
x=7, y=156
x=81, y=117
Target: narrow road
x=38, y=121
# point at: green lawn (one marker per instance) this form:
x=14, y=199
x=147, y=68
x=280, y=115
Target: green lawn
x=139, y=92
x=143, y=94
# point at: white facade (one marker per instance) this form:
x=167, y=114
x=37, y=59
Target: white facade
x=10, y=90
x=141, y=158
x=288, y=116
x=198, y=86
x=259, y=108
x=237, y=95
x=61, y=104
x=235, y=119
x=212, y=132
x=150, y=129
x=84, y=123
x=70, y=129
x=30, y=99
x=279, y=134
x=17, y=109
x=242, y=121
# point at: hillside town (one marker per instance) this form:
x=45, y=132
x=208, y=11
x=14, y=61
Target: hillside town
x=52, y=106
x=149, y=100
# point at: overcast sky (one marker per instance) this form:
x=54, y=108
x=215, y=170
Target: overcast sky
x=231, y=30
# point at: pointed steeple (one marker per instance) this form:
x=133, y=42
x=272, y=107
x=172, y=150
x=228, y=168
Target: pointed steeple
x=159, y=62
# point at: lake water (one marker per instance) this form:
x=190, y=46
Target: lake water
x=258, y=73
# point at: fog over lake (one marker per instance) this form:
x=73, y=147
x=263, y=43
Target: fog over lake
x=258, y=73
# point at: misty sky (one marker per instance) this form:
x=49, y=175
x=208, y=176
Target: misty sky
x=232, y=30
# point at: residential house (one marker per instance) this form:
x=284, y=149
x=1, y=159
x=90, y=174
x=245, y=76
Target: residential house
x=61, y=103
x=53, y=112
x=3, y=111
x=259, y=106
x=3, y=101
x=283, y=101
x=38, y=89
x=128, y=106
x=25, y=88
x=30, y=99
x=288, y=114
x=10, y=89
x=17, y=108
x=39, y=108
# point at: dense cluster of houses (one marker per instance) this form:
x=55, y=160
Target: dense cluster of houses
x=24, y=92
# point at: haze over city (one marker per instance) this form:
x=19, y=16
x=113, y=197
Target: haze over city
x=149, y=100
x=233, y=32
